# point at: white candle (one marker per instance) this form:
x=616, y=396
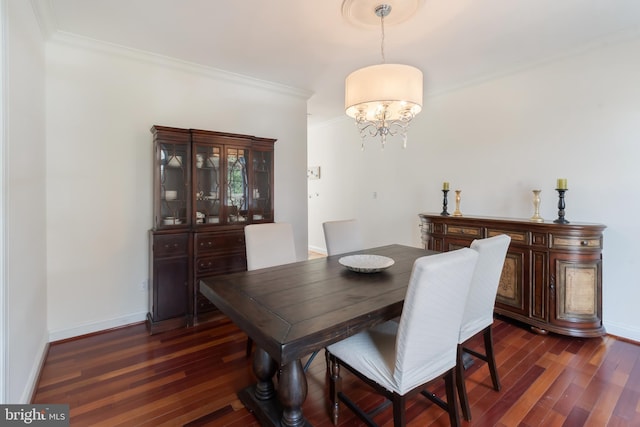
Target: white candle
x=562, y=184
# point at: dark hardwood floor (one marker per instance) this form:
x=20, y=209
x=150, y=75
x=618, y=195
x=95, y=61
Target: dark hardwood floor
x=190, y=376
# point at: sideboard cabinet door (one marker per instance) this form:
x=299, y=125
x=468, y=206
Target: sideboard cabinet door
x=576, y=294
x=169, y=279
x=513, y=293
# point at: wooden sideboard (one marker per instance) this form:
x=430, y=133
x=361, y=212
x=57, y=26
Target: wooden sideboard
x=552, y=275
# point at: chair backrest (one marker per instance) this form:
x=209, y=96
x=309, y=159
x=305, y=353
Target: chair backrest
x=342, y=236
x=478, y=313
x=428, y=332
x=269, y=245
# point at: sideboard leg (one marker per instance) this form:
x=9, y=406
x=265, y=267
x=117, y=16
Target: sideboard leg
x=539, y=331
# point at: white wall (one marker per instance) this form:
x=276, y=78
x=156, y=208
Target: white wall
x=101, y=103
x=23, y=169
x=576, y=118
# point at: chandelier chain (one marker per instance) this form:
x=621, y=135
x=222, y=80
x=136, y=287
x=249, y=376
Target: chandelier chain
x=382, y=38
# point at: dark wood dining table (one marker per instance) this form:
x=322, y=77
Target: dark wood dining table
x=292, y=310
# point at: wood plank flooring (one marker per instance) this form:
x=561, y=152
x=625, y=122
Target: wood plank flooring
x=189, y=377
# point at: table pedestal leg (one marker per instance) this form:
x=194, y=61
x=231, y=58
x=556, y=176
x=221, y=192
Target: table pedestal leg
x=292, y=391
x=264, y=367
x=281, y=409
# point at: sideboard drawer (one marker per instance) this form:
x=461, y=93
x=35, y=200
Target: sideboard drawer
x=464, y=230
x=209, y=266
x=171, y=245
x=576, y=242
x=517, y=237
x=226, y=241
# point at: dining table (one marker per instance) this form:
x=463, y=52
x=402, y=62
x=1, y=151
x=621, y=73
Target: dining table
x=293, y=310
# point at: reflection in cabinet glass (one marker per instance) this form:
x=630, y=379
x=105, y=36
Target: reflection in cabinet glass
x=207, y=182
x=261, y=205
x=207, y=187
x=237, y=185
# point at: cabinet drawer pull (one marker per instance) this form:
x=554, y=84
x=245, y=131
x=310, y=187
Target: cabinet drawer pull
x=584, y=243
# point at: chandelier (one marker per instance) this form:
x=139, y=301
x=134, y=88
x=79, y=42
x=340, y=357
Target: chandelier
x=383, y=99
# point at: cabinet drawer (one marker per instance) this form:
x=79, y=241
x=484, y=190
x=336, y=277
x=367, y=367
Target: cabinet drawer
x=220, y=242
x=464, y=230
x=517, y=237
x=212, y=265
x=170, y=245
x=576, y=242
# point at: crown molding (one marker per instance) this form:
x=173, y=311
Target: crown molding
x=613, y=39
x=45, y=17
x=47, y=22
x=73, y=40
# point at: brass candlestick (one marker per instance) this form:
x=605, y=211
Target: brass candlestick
x=536, y=207
x=457, y=211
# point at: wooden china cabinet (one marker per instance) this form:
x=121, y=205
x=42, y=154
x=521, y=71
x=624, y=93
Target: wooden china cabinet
x=552, y=275
x=207, y=186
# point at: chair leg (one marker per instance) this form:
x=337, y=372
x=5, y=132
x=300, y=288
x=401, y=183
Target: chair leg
x=327, y=362
x=335, y=388
x=452, y=403
x=491, y=360
x=399, y=417
x=249, y=346
x=461, y=386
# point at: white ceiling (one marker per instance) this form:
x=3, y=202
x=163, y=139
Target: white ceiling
x=308, y=44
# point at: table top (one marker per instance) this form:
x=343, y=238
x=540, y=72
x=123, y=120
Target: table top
x=294, y=309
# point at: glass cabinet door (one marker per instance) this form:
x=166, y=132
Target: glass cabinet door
x=237, y=186
x=207, y=184
x=173, y=166
x=261, y=201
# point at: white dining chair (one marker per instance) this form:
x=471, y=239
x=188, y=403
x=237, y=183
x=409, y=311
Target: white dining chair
x=398, y=359
x=342, y=236
x=268, y=245
x=478, y=313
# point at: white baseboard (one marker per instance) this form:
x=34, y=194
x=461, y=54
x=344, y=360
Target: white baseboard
x=318, y=249
x=32, y=381
x=89, y=328
x=622, y=331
